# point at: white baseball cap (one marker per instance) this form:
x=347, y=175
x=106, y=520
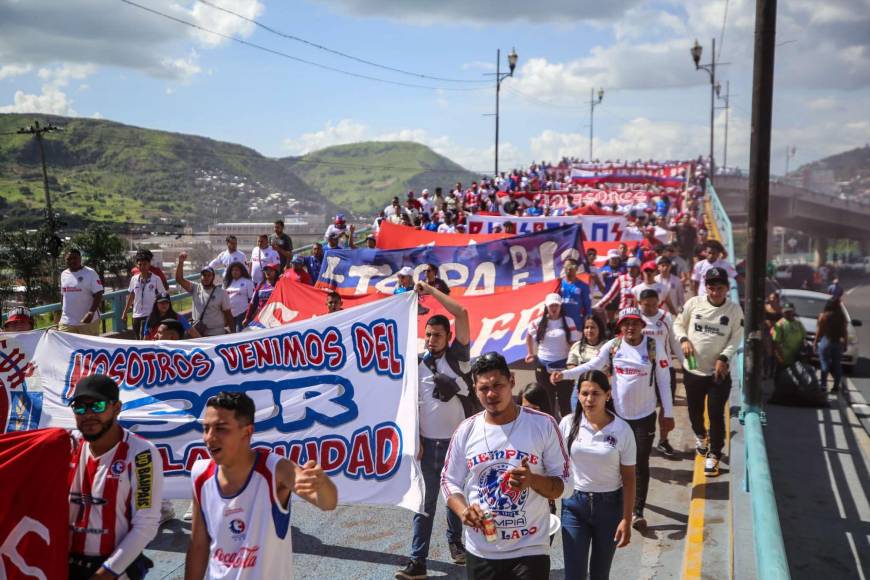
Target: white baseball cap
x=552, y=298
x=406, y=271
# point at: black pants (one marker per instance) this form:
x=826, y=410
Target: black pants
x=644, y=432
x=701, y=389
x=139, y=327
x=560, y=393
x=673, y=393
x=525, y=568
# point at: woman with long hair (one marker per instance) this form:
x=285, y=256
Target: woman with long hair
x=162, y=310
x=240, y=289
x=536, y=396
x=832, y=333
x=596, y=518
x=262, y=292
x=586, y=349
x=548, y=341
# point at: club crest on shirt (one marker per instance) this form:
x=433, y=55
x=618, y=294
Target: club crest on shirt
x=610, y=440
x=499, y=497
x=117, y=468
x=237, y=526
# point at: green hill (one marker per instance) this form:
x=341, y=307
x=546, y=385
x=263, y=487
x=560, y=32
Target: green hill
x=129, y=174
x=363, y=177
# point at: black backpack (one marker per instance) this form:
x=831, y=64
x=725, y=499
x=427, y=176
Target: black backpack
x=470, y=404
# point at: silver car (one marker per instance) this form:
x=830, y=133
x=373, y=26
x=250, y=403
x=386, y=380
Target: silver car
x=808, y=305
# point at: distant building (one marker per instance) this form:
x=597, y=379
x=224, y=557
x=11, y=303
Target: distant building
x=820, y=180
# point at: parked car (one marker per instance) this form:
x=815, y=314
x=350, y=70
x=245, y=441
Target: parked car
x=794, y=275
x=808, y=305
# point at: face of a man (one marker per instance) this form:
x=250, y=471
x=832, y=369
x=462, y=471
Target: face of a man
x=495, y=391
x=73, y=261
x=570, y=270
x=224, y=436
x=144, y=266
x=333, y=303
x=18, y=326
x=789, y=314
x=263, y=241
x=232, y=245
x=317, y=251
x=279, y=229
x=164, y=333
x=649, y=305
x=716, y=292
x=437, y=338
x=207, y=278
x=712, y=254
x=93, y=424
x=632, y=329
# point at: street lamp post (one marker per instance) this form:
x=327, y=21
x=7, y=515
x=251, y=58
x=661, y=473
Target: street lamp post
x=592, y=104
x=499, y=77
x=696, y=51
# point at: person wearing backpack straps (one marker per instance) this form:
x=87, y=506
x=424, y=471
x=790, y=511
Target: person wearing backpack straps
x=640, y=366
x=444, y=402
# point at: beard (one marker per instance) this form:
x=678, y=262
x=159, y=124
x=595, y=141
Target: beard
x=104, y=428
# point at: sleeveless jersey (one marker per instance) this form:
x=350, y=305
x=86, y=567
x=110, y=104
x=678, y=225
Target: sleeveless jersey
x=249, y=532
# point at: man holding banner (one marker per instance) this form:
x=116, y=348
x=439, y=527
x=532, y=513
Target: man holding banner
x=444, y=396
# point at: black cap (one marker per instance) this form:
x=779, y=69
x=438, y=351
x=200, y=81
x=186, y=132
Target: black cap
x=99, y=387
x=716, y=275
x=163, y=297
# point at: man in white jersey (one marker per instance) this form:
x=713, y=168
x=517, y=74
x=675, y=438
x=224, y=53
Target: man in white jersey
x=714, y=259
x=82, y=293
x=648, y=282
x=116, y=484
x=241, y=498
x=659, y=324
x=640, y=366
x=502, y=467
x=261, y=255
x=228, y=256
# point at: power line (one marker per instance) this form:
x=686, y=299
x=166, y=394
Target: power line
x=289, y=56
x=337, y=52
x=722, y=34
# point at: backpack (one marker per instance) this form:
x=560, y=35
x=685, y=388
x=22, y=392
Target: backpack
x=470, y=404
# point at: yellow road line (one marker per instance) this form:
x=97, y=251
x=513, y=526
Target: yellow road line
x=693, y=556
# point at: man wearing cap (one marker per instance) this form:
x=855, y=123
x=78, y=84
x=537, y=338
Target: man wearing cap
x=228, y=256
x=405, y=280
x=261, y=254
x=116, y=487
x=82, y=293
x=649, y=282
x=297, y=272
x=18, y=319
x=337, y=227
x=710, y=330
x=640, y=367
x=788, y=337
x=714, y=259
x=144, y=289
x=211, y=304
x=622, y=287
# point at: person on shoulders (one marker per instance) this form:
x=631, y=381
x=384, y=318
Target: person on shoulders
x=241, y=498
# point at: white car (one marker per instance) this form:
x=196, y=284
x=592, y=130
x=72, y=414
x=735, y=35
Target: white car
x=808, y=305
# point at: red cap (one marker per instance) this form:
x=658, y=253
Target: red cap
x=649, y=266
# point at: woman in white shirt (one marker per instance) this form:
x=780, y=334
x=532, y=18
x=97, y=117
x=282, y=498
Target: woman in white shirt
x=596, y=517
x=587, y=348
x=548, y=341
x=240, y=289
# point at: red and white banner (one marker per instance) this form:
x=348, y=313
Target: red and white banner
x=34, y=527
x=395, y=237
x=498, y=321
x=595, y=228
x=19, y=405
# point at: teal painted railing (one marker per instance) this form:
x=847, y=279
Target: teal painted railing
x=114, y=301
x=770, y=557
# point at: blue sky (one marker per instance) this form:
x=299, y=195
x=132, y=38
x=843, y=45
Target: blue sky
x=109, y=59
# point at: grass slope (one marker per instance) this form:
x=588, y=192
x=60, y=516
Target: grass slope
x=129, y=174
x=363, y=177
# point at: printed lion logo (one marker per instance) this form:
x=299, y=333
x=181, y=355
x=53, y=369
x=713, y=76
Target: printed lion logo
x=498, y=495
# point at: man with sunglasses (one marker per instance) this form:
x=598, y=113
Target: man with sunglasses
x=116, y=487
x=501, y=468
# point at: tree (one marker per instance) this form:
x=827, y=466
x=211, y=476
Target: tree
x=24, y=254
x=102, y=250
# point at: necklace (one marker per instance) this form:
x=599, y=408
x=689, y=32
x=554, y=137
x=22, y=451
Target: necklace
x=516, y=420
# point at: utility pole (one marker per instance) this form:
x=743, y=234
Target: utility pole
x=759, y=197
x=499, y=77
x=710, y=69
x=53, y=240
x=790, y=151
x=592, y=104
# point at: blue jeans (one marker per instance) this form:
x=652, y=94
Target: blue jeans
x=830, y=355
x=434, y=454
x=589, y=520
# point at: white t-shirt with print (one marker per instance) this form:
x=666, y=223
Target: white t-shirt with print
x=145, y=293
x=225, y=258
x=596, y=456
x=259, y=258
x=478, y=459
x=240, y=293
x=555, y=345
x=701, y=268
x=78, y=289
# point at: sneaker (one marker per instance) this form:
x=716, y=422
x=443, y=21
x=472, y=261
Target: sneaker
x=711, y=465
x=415, y=570
x=457, y=553
x=665, y=448
x=188, y=515
x=638, y=522
x=167, y=512
x=701, y=445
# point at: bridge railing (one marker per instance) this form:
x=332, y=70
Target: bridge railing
x=770, y=556
x=113, y=302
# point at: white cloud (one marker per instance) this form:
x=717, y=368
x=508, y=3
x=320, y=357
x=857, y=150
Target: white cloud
x=345, y=131
x=97, y=115
x=14, y=70
x=52, y=101
x=184, y=68
x=480, y=65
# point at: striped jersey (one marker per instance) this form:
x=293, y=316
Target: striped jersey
x=622, y=288
x=114, y=500
x=249, y=532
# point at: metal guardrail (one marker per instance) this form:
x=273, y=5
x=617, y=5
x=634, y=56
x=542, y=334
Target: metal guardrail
x=770, y=556
x=117, y=299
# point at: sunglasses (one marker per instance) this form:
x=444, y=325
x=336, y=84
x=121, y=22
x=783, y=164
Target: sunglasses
x=96, y=407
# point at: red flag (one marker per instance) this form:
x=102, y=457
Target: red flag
x=34, y=526
x=396, y=237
